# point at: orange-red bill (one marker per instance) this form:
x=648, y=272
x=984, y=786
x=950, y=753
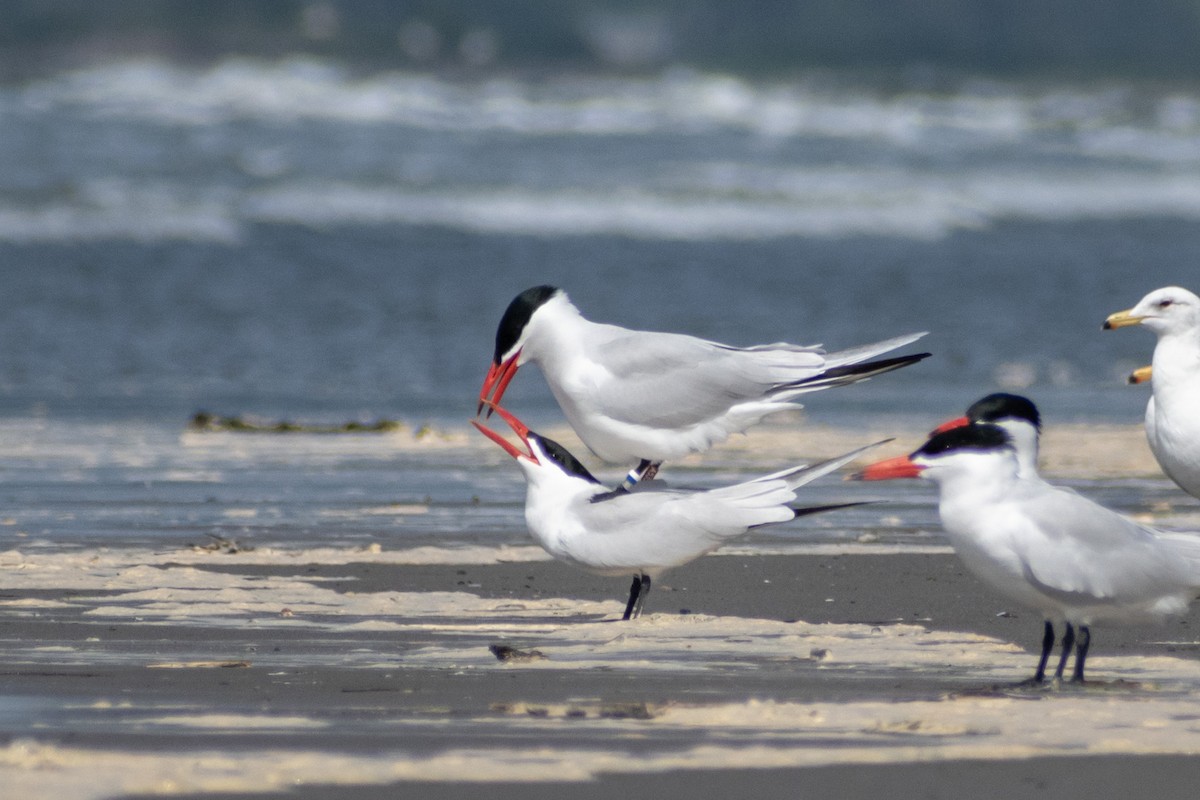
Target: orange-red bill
x=498, y=376
x=519, y=428
x=890, y=469
x=950, y=425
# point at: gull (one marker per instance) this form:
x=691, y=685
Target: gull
x=1045, y=547
x=651, y=397
x=650, y=529
x=1173, y=411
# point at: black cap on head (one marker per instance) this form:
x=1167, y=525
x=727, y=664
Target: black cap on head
x=965, y=437
x=562, y=456
x=1002, y=405
x=517, y=315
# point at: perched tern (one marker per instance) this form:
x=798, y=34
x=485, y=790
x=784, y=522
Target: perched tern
x=1173, y=411
x=648, y=530
x=639, y=395
x=1048, y=548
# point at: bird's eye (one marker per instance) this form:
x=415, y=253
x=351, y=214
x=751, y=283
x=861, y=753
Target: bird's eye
x=1164, y=303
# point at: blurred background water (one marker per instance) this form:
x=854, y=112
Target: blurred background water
x=319, y=210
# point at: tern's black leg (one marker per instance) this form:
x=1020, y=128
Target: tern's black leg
x=1047, y=646
x=1068, y=641
x=1081, y=650
x=634, y=591
x=642, y=595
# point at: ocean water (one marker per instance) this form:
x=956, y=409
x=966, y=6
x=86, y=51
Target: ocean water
x=290, y=239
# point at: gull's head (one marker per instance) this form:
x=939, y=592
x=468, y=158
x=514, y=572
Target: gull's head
x=974, y=451
x=1170, y=310
x=511, y=335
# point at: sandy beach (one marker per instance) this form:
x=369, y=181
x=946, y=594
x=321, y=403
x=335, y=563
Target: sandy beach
x=832, y=671
x=849, y=656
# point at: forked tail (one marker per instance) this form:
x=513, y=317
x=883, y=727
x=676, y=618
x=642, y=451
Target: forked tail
x=847, y=374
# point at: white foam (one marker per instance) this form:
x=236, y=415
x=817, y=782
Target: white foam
x=678, y=101
x=817, y=203
x=635, y=211
x=927, y=164
x=144, y=211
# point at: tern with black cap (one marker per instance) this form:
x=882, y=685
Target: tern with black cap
x=1048, y=548
x=652, y=528
x=651, y=397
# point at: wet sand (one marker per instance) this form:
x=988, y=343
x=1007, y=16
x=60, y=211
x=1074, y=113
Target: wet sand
x=978, y=780
x=1171, y=778
x=932, y=590
x=853, y=657
x=821, y=674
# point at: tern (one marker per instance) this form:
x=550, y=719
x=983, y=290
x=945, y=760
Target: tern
x=1173, y=411
x=1017, y=416
x=1045, y=547
x=1020, y=419
x=651, y=397
x=651, y=529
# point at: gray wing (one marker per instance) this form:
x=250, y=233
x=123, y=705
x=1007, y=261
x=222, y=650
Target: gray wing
x=671, y=380
x=717, y=513
x=1086, y=550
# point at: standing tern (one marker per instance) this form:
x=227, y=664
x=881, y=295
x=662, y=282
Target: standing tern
x=1045, y=547
x=651, y=529
x=640, y=395
x=1173, y=411
x=1020, y=419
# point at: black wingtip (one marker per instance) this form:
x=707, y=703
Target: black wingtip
x=804, y=511
x=852, y=373
x=875, y=367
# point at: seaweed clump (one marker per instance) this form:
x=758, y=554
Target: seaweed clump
x=211, y=423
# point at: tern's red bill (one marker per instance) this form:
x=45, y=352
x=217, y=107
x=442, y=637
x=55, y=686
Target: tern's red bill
x=518, y=427
x=890, y=469
x=497, y=379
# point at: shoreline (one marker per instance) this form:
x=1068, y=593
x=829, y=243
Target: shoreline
x=225, y=679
